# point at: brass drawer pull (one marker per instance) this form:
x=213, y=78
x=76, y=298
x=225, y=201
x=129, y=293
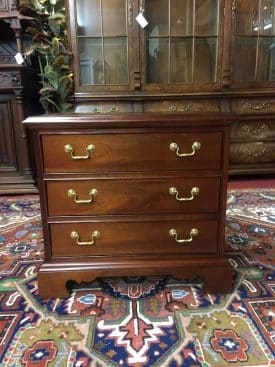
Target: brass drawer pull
x=69, y=149
x=195, y=191
x=187, y=108
x=75, y=236
x=175, y=148
x=254, y=130
x=72, y=194
x=257, y=107
x=173, y=233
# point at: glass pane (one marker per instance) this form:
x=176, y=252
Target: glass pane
x=206, y=15
x=268, y=13
x=157, y=60
x=182, y=18
x=114, y=17
x=157, y=13
x=266, y=59
x=181, y=60
x=91, y=61
x=88, y=18
x=245, y=58
x=247, y=17
x=116, y=64
x=205, y=60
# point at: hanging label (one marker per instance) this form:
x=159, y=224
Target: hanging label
x=19, y=58
x=141, y=20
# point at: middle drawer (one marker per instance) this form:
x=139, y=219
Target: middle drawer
x=136, y=196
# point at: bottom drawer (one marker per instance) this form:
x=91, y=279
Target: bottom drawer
x=253, y=152
x=126, y=238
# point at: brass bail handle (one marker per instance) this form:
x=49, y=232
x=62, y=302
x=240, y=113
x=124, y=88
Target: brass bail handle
x=175, y=148
x=75, y=236
x=72, y=194
x=194, y=192
x=173, y=233
x=70, y=150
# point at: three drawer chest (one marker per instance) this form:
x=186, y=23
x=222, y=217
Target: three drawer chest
x=132, y=194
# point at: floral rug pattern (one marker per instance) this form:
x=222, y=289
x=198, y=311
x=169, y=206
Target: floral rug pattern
x=142, y=321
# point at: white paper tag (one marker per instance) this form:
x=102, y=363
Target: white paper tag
x=141, y=20
x=19, y=58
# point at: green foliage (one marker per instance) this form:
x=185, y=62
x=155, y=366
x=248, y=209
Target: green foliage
x=47, y=27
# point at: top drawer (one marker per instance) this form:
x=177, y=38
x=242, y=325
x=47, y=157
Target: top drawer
x=72, y=153
x=253, y=105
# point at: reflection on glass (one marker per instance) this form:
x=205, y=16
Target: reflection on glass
x=266, y=57
x=245, y=58
x=157, y=60
x=206, y=16
x=181, y=41
x=247, y=17
x=114, y=69
x=91, y=61
x=181, y=18
x=254, y=41
x=156, y=13
x=268, y=9
x=114, y=17
x=115, y=52
x=181, y=60
x=205, y=60
x=88, y=18
x=102, y=41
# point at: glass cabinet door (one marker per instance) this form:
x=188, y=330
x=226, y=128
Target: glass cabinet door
x=254, y=41
x=181, y=42
x=100, y=37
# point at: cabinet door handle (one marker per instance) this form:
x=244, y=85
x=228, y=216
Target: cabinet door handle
x=70, y=150
x=194, y=191
x=72, y=194
x=75, y=236
x=173, y=233
x=175, y=148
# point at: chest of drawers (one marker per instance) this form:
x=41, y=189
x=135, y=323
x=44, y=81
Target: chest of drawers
x=132, y=194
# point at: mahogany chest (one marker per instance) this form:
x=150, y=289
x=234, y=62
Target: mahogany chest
x=132, y=194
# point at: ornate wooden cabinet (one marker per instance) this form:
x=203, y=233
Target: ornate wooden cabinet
x=15, y=166
x=132, y=194
x=192, y=56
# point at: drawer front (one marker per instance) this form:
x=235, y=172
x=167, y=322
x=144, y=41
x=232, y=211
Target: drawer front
x=131, y=152
x=103, y=107
x=253, y=130
x=120, y=196
x=197, y=105
x=258, y=152
x=253, y=105
x=126, y=238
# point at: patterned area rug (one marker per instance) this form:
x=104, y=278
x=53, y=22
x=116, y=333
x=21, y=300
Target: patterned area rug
x=140, y=322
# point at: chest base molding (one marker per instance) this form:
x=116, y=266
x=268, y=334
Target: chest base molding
x=215, y=272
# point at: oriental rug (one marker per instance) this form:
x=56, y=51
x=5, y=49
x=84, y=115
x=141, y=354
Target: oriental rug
x=143, y=321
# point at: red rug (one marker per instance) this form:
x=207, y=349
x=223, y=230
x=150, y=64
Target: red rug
x=140, y=322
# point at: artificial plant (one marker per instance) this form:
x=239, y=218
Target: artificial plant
x=47, y=28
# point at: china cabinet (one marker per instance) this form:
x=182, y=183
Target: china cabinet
x=15, y=165
x=181, y=56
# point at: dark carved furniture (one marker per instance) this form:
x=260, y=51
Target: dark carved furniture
x=15, y=166
x=132, y=194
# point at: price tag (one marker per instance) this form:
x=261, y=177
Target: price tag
x=141, y=20
x=19, y=58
